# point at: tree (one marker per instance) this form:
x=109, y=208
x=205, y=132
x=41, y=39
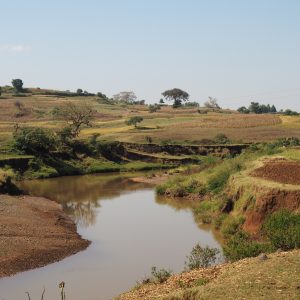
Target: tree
x=77, y=115
x=161, y=101
x=79, y=91
x=177, y=96
x=134, y=121
x=127, y=97
x=212, y=103
x=243, y=110
x=18, y=85
x=0, y=91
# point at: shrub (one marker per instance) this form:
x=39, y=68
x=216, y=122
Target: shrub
x=221, y=139
x=231, y=225
x=154, y=107
x=34, y=141
x=161, y=275
x=219, y=221
x=283, y=229
x=201, y=257
x=241, y=246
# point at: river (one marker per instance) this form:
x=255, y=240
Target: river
x=131, y=230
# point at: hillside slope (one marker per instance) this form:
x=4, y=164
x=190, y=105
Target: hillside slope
x=277, y=277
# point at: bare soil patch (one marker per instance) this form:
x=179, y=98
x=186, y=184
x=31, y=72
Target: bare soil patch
x=33, y=233
x=284, y=172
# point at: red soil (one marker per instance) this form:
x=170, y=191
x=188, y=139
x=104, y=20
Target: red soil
x=284, y=172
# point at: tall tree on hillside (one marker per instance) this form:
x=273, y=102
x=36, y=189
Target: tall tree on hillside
x=18, y=85
x=77, y=116
x=127, y=97
x=177, y=96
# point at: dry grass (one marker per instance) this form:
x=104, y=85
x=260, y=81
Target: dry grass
x=275, y=278
x=179, y=125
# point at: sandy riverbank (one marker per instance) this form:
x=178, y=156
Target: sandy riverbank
x=33, y=233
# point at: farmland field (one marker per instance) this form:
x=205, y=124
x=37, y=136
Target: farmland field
x=183, y=125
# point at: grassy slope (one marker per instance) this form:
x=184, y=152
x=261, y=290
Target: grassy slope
x=275, y=278
x=181, y=125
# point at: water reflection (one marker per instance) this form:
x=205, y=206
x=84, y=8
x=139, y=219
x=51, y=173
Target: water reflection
x=80, y=196
x=130, y=228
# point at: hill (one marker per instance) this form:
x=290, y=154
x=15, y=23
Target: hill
x=38, y=107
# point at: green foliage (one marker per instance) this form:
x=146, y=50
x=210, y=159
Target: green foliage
x=221, y=139
x=283, y=229
x=257, y=108
x=177, y=96
x=241, y=246
x=289, y=112
x=34, y=141
x=154, y=107
x=191, y=104
x=201, y=257
x=231, y=225
x=218, y=221
x=161, y=275
x=134, y=121
x=18, y=85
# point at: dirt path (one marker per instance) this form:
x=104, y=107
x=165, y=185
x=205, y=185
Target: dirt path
x=33, y=233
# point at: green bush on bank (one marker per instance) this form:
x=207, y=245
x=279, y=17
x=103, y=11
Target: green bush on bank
x=241, y=246
x=283, y=229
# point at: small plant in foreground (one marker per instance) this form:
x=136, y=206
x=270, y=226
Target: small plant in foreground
x=201, y=257
x=161, y=275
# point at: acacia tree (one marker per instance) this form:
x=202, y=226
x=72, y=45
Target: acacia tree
x=18, y=85
x=77, y=115
x=177, y=96
x=134, y=121
x=127, y=97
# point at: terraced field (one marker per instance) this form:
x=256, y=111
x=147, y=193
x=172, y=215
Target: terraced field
x=184, y=125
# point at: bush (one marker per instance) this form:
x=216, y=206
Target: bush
x=34, y=141
x=201, y=257
x=283, y=229
x=241, y=246
x=161, y=275
x=231, y=225
x=221, y=139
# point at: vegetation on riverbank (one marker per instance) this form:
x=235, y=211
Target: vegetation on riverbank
x=273, y=277
x=229, y=196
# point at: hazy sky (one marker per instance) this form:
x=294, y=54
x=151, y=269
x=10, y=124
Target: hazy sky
x=235, y=50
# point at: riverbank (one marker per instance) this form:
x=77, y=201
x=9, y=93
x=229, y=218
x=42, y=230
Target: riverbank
x=34, y=232
x=273, y=277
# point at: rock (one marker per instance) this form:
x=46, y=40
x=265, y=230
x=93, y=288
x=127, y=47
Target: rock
x=262, y=257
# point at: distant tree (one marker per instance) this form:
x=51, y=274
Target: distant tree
x=177, y=96
x=212, y=103
x=126, y=97
x=161, y=101
x=243, y=110
x=192, y=104
x=101, y=95
x=134, y=121
x=18, y=85
x=289, y=112
x=79, y=91
x=77, y=116
x=0, y=91
x=273, y=109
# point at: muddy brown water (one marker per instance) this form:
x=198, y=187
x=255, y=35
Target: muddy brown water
x=131, y=230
